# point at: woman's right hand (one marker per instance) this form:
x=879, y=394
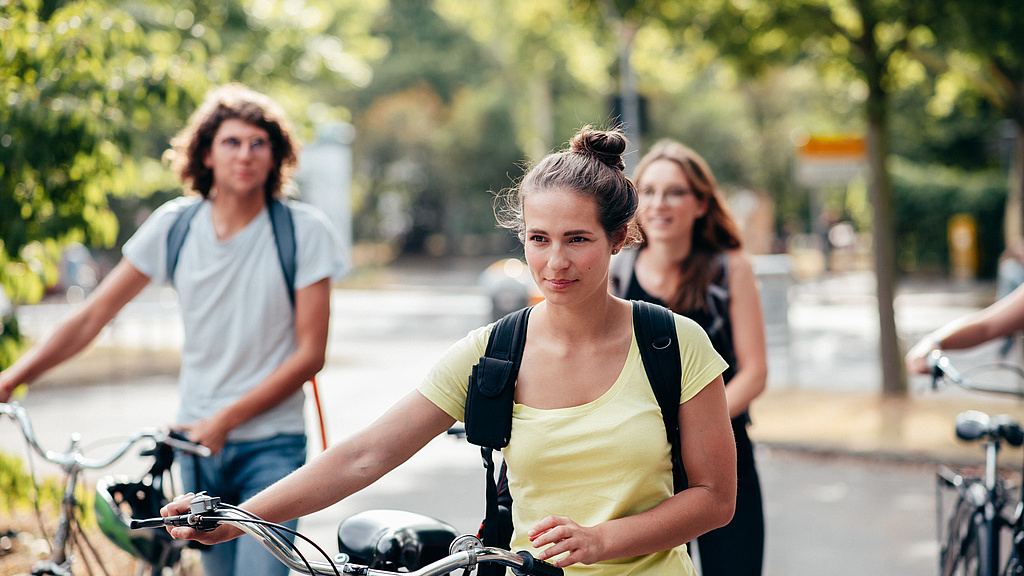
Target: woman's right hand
x=179, y=506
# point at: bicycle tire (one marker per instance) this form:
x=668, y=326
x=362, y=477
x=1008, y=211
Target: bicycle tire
x=962, y=548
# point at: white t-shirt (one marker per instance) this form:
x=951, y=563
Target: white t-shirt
x=238, y=319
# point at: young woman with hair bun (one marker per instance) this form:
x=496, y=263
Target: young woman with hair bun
x=588, y=461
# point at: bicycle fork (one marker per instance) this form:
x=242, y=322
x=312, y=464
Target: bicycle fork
x=57, y=564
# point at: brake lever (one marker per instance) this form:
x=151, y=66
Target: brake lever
x=199, y=517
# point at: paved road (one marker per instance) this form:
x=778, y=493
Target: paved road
x=834, y=516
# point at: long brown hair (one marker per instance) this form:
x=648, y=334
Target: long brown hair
x=713, y=233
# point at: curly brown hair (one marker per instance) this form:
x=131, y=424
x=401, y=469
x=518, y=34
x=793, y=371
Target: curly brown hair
x=592, y=166
x=233, y=101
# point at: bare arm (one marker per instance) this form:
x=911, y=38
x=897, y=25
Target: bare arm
x=312, y=313
x=341, y=470
x=76, y=332
x=709, y=456
x=1002, y=318
x=747, y=336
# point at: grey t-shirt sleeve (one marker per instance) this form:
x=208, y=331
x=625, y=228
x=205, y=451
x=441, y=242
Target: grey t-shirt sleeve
x=146, y=250
x=319, y=247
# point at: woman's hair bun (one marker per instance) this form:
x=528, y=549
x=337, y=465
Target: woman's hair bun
x=604, y=145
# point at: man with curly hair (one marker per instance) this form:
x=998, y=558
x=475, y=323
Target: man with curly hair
x=248, y=349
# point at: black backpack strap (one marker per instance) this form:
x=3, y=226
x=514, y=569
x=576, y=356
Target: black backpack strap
x=655, y=329
x=488, y=414
x=492, y=383
x=176, y=237
x=284, y=235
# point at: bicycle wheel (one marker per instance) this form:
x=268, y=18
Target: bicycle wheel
x=962, y=548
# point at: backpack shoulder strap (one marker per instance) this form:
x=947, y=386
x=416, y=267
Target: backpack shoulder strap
x=489, y=398
x=655, y=329
x=488, y=415
x=176, y=237
x=284, y=236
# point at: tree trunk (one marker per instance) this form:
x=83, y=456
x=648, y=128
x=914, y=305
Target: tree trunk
x=893, y=377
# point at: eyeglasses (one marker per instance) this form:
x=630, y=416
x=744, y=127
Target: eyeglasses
x=234, y=145
x=669, y=196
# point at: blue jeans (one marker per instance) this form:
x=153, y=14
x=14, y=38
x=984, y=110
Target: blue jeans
x=235, y=474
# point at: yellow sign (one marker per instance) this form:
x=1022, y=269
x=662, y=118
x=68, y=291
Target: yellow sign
x=963, y=246
x=849, y=147
x=823, y=161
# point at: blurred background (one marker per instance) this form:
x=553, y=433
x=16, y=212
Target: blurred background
x=871, y=150
x=879, y=135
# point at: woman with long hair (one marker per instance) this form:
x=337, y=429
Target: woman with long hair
x=692, y=261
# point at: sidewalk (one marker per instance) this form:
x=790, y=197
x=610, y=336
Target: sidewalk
x=917, y=427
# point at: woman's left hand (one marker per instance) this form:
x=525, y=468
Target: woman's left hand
x=567, y=539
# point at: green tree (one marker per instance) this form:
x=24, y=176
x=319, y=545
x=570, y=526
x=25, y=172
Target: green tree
x=93, y=91
x=80, y=81
x=978, y=52
x=866, y=44
x=433, y=137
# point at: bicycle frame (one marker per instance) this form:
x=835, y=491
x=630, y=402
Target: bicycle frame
x=986, y=520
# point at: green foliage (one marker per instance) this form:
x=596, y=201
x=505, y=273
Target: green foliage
x=928, y=196
x=93, y=90
x=19, y=491
x=450, y=98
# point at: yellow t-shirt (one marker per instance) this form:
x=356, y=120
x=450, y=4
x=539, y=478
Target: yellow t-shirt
x=603, y=460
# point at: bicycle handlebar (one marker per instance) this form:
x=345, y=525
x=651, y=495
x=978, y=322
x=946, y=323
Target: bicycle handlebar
x=75, y=458
x=206, y=512
x=942, y=368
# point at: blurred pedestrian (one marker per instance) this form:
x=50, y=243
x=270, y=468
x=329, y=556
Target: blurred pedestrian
x=691, y=260
x=1001, y=318
x=247, y=350
x=1009, y=275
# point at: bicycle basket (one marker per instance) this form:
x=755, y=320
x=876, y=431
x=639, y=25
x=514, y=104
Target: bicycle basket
x=394, y=539
x=118, y=500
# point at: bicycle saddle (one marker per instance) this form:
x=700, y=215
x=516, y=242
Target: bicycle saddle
x=394, y=539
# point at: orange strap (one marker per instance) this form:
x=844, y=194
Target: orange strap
x=320, y=414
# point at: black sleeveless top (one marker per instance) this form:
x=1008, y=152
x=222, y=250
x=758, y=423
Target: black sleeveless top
x=714, y=319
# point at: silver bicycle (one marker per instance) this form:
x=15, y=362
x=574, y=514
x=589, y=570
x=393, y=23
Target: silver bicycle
x=986, y=511
x=117, y=499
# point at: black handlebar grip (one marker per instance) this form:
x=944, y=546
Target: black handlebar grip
x=147, y=523
x=532, y=566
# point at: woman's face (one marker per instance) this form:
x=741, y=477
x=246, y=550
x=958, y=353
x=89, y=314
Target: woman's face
x=566, y=247
x=668, y=205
